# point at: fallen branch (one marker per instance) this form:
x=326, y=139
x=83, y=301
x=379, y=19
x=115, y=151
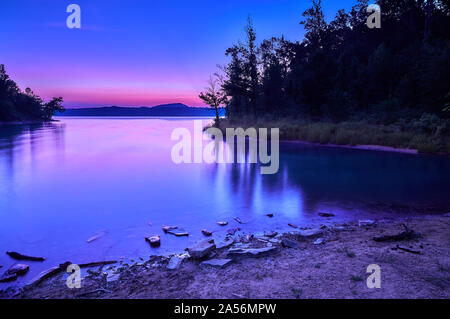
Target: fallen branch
x=98, y=263
x=409, y=250
x=19, y=256
x=408, y=234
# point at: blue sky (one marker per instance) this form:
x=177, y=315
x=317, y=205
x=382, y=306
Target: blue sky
x=134, y=52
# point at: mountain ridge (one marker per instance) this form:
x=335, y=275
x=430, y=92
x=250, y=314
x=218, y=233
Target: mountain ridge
x=172, y=109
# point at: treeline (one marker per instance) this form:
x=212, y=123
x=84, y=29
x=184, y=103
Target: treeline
x=16, y=105
x=345, y=71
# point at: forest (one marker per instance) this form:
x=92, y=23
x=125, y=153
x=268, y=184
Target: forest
x=346, y=83
x=18, y=106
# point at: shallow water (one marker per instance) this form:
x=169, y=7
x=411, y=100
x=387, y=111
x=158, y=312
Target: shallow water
x=62, y=183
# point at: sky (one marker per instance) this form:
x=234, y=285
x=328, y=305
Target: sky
x=134, y=52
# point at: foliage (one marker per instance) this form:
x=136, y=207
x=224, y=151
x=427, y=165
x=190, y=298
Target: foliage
x=344, y=71
x=16, y=105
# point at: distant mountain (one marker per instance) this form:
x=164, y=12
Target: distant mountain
x=176, y=109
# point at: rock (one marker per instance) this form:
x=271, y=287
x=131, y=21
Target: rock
x=13, y=272
x=292, y=225
x=166, y=229
x=225, y=243
x=366, y=222
x=269, y=215
x=326, y=215
x=206, y=232
x=310, y=233
x=174, y=263
x=222, y=223
x=179, y=232
x=270, y=234
x=318, y=241
x=19, y=256
x=155, y=241
x=409, y=250
x=18, y=269
x=218, y=263
x=239, y=220
x=201, y=249
x=232, y=231
x=408, y=234
x=7, y=278
x=289, y=243
x=251, y=252
x=111, y=277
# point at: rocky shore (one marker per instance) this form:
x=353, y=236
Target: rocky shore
x=326, y=262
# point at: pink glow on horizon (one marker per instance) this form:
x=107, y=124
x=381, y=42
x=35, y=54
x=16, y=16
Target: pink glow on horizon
x=93, y=86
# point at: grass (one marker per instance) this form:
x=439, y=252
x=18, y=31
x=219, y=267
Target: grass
x=350, y=133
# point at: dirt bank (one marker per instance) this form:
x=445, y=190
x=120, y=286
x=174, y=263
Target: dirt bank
x=335, y=268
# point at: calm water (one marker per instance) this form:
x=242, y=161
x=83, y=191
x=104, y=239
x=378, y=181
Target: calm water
x=63, y=183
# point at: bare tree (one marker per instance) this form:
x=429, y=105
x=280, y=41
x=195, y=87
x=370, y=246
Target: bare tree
x=214, y=95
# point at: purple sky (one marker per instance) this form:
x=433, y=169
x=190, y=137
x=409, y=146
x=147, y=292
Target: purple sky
x=134, y=52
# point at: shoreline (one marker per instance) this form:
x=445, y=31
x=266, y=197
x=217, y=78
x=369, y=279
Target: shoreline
x=378, y=148
x=27, y=122
x=351, y=135
x=293, y=264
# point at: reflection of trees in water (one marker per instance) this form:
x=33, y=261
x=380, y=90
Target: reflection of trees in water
x=245, y=181
x=347, y=178
x=17, y=139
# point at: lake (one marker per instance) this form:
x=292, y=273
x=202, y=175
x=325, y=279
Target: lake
x=65, y=182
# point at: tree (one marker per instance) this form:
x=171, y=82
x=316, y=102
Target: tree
x=214, y=95
x=16, y=105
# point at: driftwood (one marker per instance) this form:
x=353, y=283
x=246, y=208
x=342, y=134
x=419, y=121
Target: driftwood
x=48, y=273
x=408, y=234
x=98, y=263
x=97, y=236
x=19, y=256
x=409, y=250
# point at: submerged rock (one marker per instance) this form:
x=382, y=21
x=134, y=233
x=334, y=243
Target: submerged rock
x=155, y=241
x=251, y=252
x=13, y=272
x=206, y=232
x=218, y=263
x=202, y=249
x=269, y=215
x=222, y=223
x=179, y=232
x=166, y=229
x=18, y=269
